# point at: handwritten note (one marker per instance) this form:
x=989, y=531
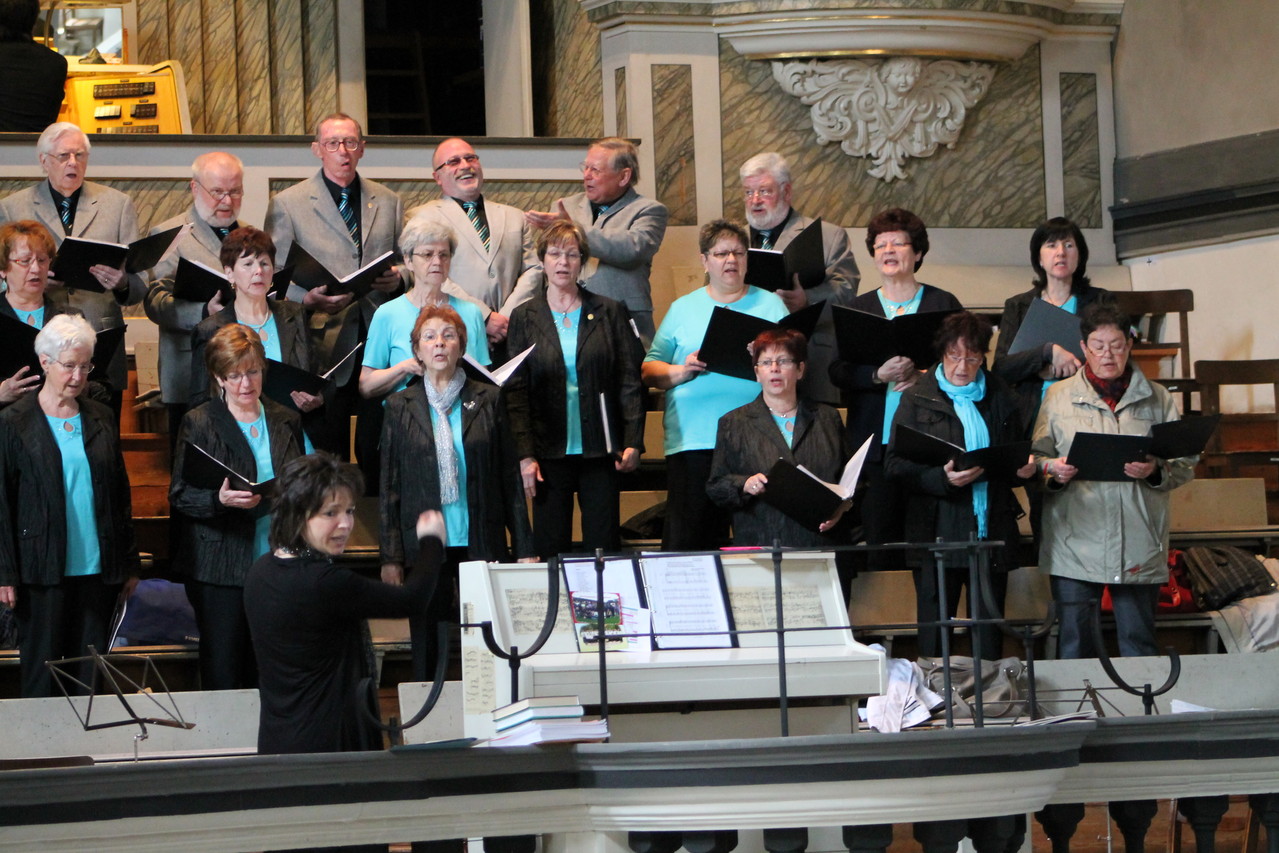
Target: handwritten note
x=480, y=693
x=753, y=607
x=527, y=608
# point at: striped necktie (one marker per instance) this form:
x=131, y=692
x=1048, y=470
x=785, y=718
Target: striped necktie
x=348, y=215
x=473, y=214
x=64, y=211
x=766, y=239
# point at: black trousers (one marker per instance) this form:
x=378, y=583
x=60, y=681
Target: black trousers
x=927, y=600
x=594, y=481
x=693, y=521
x=62, y=621
x=424, y=629
x=883, y=509
x=226, y=649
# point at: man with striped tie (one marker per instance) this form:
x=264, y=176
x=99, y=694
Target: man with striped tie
x=70, y=206
x=217, y=191
x=495, y=261
x=343, y=221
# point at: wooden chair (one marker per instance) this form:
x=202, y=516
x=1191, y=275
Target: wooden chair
x=1254, y=435
x=1149, y=310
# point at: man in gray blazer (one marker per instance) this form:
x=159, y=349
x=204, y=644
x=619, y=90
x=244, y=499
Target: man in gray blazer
x=344, y=221
x=767, y=188
x=623, y=229
x=68, y=205
x=495, y=261
x=217, y=190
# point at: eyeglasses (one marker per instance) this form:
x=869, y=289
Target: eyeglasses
x=1100, y=348
x=431, y=254
x=879, y=247
x=350, y=144
x=590, y=169
x=73, y=367
x=41, y=260
x=556, y=254
x=219, y=195
x=66, y=156
x=725, y=255
x=970, y=360
x=430, y=335
x=764, y=193
x=784, y=361
x=457, y=160
x=237, y=378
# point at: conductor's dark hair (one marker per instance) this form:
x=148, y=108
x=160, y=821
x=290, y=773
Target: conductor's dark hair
x=303, y=487
x=18, y=19
x=1101, y=314
x=1059, y=228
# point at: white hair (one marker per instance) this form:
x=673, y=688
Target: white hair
x=421, y=231
x=54, y=132
x=63, y=331
x=771, y=163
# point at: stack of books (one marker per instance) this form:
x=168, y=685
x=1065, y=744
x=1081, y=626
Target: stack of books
x=545, y=719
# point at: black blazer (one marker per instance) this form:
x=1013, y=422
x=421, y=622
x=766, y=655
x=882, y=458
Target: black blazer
x=608, y=361
x=295, y=343
x=1021, y=371
x=866, y=401
x=934, y=507
x=33, y=510
x=749, y=443
x=411, y=475
x=213, y=543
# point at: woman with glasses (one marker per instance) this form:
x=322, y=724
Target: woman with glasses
x=1102, y=533
x=696, y=399
x=777, y=424
x=389, y=362
x=577, y=404
x=898, y=241
x=66, y=520
x=26, y=251
x=447, y=446
x=960, y=402
x=220, y=532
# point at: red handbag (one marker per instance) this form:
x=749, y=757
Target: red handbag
x=1174, y=594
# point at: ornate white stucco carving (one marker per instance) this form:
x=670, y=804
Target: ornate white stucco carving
x=887, y=110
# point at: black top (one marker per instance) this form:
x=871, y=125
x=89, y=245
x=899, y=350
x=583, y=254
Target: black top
x=307, y=620
x=37, y=76
x=866, y=404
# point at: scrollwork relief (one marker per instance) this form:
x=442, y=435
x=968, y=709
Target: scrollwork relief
x=887, y=110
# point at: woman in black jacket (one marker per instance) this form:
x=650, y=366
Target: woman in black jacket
x=220, y=532
x=66, y=518
x=961, y=403
x=447, y=446
x=27, y=250
x=1059, y=257
x=577, y=405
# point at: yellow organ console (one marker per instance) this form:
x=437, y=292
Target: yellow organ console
x=127, y=99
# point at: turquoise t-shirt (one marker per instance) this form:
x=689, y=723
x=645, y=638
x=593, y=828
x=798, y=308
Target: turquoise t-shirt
x=84, y=556
x=260, y=443
x=391, y=332
x=893, y=399
x=34, y=319
x=694, y=408
x=457, y=516
x=270, y=335
x=1071, y=305
x=787, y=428
x=573, y=403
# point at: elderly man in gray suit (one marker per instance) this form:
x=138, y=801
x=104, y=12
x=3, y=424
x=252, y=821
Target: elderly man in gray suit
x=217, y=190
x=767, y=189
x=68, y=205
x=343, y=221
x=495, y=261
x=623, y=229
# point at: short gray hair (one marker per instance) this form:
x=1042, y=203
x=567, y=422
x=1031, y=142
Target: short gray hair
x=622, y=155
x=54, y=132
x=422, y=230
x=770, y=163
x=63, y=331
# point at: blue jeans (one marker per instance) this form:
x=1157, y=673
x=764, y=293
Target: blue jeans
x=1134, y=610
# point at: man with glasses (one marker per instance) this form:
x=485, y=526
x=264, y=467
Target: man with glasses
x=623, y=229
x=344, y=221
x=217, y=190
x=495, y=262
x=766, y=191
x=70, y=206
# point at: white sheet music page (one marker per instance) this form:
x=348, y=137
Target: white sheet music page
x=685, y=595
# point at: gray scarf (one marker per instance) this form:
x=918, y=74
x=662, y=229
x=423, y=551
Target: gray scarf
x=441, y=402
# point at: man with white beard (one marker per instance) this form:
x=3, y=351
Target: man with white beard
x=766, y=190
